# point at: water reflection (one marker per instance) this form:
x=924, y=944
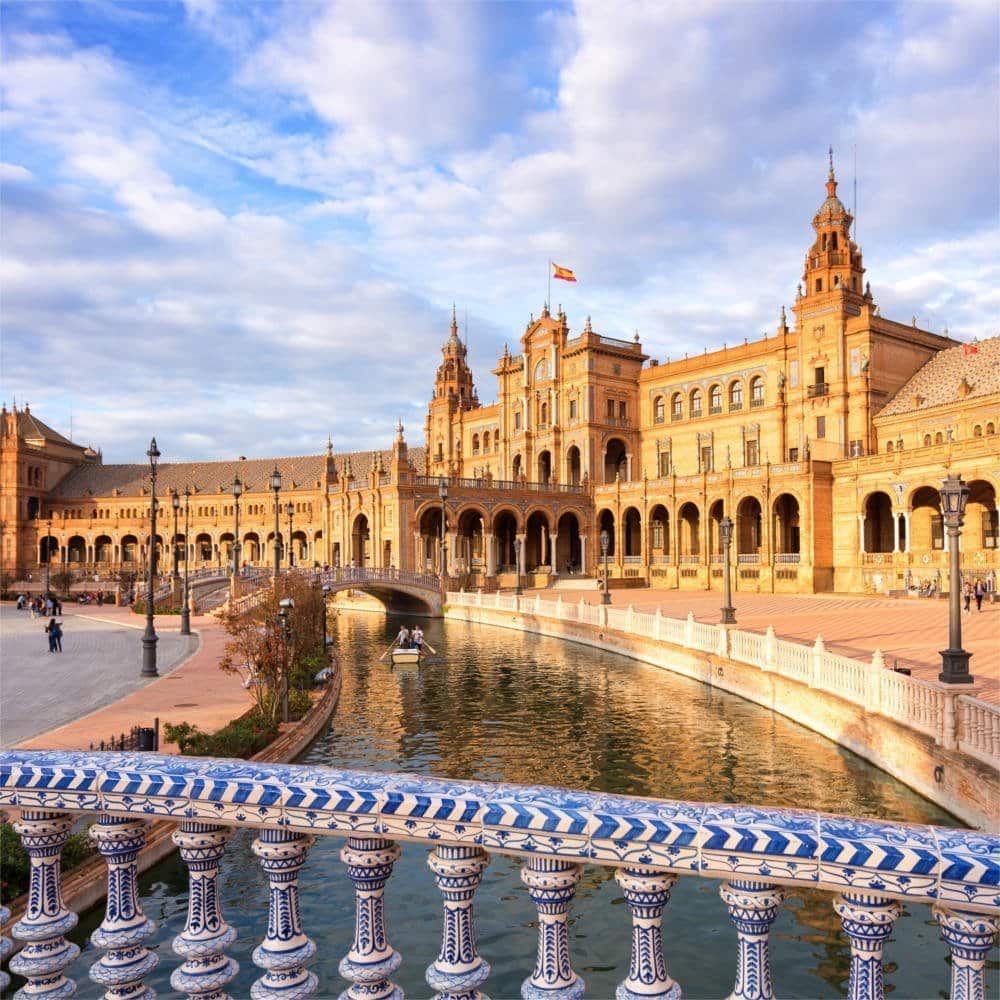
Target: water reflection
x=500, y=705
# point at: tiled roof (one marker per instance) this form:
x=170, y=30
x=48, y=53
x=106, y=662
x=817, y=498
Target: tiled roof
x=31, y=428
x=207, y=477
x=940, y=380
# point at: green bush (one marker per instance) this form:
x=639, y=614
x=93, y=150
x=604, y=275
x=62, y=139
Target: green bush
x=299, y=703
x=165, y=607
x=15, y=865
x=243, y=738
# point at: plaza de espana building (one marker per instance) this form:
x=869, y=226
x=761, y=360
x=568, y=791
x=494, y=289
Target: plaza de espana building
x=826, y=442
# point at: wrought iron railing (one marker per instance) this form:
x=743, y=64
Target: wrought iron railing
x=869, y=868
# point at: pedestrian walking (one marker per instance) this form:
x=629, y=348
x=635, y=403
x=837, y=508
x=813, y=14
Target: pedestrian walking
x=52, y=631
x=49, y=606
x=967, y=594
x=980, y=592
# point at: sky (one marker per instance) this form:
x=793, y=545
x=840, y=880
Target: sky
x=241, y=227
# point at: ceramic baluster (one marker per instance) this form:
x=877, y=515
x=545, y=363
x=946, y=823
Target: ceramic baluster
x=46, y=953
x=970, y=938
x=459, y=970
x=371, y=960
x=285, y=950
x=867, y=920
x=646, y=892
x=552, y=885
x=127, y=960
x=203, y=942
x=753, y=907
x=6, y=947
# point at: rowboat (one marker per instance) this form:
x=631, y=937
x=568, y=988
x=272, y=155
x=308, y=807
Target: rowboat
x=406, y=659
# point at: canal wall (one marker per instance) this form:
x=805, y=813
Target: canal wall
x=958, y=782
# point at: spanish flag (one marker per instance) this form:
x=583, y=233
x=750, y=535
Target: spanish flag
x=562, y=273
x=972, y=348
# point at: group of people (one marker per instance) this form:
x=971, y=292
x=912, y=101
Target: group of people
x=410, y=638
x=978, y=590
x=38, y=606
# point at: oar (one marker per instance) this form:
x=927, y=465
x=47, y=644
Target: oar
x=430, y=647
x=386, y=653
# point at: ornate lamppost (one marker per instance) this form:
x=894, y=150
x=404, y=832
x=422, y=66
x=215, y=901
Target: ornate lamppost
x=605, y=592
x=326, y=593
x=149, y=638
x=285, y=607
x=290, y=511
x=276, y=486
x=237, y=493
x=726, y=535
x=185, y=610
x=443, y=494
x=518, y=559
x=48, y=554
x=954, y=659
x=175, y=502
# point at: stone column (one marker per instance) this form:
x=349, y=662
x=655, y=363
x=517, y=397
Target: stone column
x=628, y=467
x=554, y=553
x=583, y=552
x=519, y=550
x=418, y=553
x=647, y=892
x=861, y=533
x=452, y=553
x=490, y=553
x=867, y=921
x=753, y=907
x=895, y=532
x=906, y=521
x=552, y=885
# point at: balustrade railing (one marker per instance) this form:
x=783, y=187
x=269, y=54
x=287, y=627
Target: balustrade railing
x=500, y=484
x=937, y=710
x=760, y=856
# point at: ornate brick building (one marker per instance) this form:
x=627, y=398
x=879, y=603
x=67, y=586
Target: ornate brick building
x=826, y=443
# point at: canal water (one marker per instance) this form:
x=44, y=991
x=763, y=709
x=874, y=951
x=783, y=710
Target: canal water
x=502, y=705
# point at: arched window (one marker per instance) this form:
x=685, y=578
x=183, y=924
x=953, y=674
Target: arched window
x=939, y=438
x=715, y=399
x=990, y=429
x=696, y=403
x=544, y=413
x=736, y=396
x=977, y=431
x=486, y=441
x=927, y=440
x=756, y=391
x=659, y=410
x=889, y=447
x=475, y=444
x=676, y=406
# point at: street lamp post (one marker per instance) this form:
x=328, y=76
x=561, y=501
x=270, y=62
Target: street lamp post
x=285, y=607
x=518, y=559
x=290, y=511
x=237, y=493
x=326, y=593
x=149, y=638
x=954, y=659
x=443, y=494
x=605, y=541
x=48, y=555
x=175, y=502
x=276, y=486
x=726, y=535
x=185, y=610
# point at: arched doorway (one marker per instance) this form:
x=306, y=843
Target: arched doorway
x=573, y=467
x=981, y=516
x=203, y=548
x=515, y=468
x=300, y=549
x=226, y=549
x=538, y=550
x=632, y=535
x=787, y=539
x=429, y=541
x=926, y=526
x=544, y=466
x=689, y=528
x=250, y=550
x=48, y=549
x=104, y=549
x=748, y=527
x=878, y=523
x=615, y=462
x=606, y=526
x=659, y=527
x=76, y=550
x=715, y=514
x=569, y=557
x=505, y=540
x=469, y=552
x=360, y=537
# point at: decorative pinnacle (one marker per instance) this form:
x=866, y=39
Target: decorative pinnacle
x=329, y=445
x=831, y=164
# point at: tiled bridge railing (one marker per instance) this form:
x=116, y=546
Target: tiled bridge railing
x=953, y=719
x=868, y=867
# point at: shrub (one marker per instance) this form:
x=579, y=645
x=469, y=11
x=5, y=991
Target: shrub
x=243, y=737
x=299, y=703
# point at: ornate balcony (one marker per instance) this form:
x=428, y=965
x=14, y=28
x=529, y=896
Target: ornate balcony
x=869, y=868
x=819, y=389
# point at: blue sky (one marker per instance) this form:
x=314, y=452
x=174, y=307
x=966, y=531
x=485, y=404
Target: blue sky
x=241, y=227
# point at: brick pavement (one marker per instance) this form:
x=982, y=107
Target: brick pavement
x=196, y=692
x=910, y=630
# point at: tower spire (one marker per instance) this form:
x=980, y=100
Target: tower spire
x=454, y=321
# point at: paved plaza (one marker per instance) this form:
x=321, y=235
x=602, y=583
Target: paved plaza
x=908, y=631
x=100, y=663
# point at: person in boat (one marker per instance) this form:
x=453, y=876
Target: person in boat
x=403, y=638
x=418, y=637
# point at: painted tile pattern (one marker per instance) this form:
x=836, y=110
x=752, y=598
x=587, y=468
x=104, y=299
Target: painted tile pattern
x=788, y=846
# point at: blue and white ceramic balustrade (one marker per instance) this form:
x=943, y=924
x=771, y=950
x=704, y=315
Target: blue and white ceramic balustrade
x=759, y=855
